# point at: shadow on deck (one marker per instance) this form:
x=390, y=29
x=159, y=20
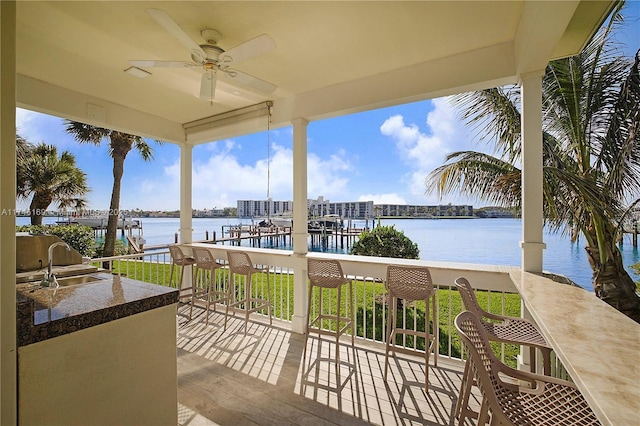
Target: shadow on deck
x=227, y=378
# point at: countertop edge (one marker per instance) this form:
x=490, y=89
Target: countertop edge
x=27, y=332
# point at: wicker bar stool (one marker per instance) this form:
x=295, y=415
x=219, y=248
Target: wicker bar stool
x=499, y=328
x=179, y=258
x=205, y=273
x=410, y=283
x=240, y=264
x=327, y=274
x=516, y=397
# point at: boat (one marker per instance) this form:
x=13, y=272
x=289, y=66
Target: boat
x=328, y=221
x=277, y=220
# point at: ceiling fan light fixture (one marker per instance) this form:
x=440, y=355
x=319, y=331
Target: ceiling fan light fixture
x=208, y=86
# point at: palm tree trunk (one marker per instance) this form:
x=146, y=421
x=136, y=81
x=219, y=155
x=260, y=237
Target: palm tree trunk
x=37, y=208
x=611, y=282
x=114, y=207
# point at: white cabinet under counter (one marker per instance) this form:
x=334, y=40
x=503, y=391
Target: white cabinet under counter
x=102, y=353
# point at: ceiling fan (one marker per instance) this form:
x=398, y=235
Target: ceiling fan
x=211, y=58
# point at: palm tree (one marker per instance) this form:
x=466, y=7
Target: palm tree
x=48, y=178
x=591, y=155
x=119, y=146
x=23, y=148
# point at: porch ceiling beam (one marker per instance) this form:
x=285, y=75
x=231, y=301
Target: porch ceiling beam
x=47, y=98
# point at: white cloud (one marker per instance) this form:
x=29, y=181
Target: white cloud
x=417, y=149
x=155, y=192
x=424, y=150
x=23, y=118
x=220, y=178
x=442, y=119
x=328, y=177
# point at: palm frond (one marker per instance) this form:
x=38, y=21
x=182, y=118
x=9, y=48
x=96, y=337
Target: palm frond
x=477, y=175
x=494, y=115
x=85, y=133
x=145, y=150
x=48, y=176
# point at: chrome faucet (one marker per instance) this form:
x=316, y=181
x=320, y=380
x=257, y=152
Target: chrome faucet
x=49, y=279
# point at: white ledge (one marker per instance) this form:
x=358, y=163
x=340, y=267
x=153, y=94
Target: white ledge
x=598, y=345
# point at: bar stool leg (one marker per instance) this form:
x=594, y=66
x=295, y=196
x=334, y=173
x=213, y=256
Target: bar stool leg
x=208, y=284
x=247, y=303
x=436, y=331
x=427, y=346
x=171, y=274
x=390, y=324
x=194, y=287
x=352, y=315
x=306, y=338
x=182, y=279
x=338, y=313
x=231, y=298
x=462, y=394
x=269, y=298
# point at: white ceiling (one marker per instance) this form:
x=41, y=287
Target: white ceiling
x=331, y=57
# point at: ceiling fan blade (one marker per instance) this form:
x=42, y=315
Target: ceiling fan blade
x=208, y=86
x=254, y=47
x=251, y=81
x=166, y=22
x=166, y=64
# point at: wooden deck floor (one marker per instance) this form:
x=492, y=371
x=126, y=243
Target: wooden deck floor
x=226, y=378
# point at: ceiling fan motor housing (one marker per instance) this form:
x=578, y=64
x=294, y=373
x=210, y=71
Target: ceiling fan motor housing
x=210, y=36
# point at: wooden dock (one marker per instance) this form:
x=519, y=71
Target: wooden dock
x=631, y=225
x=274, y=237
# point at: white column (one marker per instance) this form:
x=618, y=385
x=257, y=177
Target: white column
x=8, y=383
x=186, y=207
x=300, y=236
x=532, y=216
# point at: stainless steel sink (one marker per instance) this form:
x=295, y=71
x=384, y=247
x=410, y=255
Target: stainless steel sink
x=82, y=279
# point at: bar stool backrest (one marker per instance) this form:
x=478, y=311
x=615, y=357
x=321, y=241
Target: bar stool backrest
x=326, y=273
x=469, y=298
x=409, y=282
x=239, y=262
x=177, y=255
x=204, y=258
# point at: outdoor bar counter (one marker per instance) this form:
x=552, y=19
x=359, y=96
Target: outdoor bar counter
x=95, y=353
x=43, y=313
x=598, y=346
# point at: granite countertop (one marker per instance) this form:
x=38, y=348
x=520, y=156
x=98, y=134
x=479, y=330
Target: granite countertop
x=43, y=313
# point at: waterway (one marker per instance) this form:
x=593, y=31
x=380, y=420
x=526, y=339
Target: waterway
x=481, y=241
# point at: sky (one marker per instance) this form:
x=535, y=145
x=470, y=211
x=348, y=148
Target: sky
x=382, y=155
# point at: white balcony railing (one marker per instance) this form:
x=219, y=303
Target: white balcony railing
x=497, y=294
